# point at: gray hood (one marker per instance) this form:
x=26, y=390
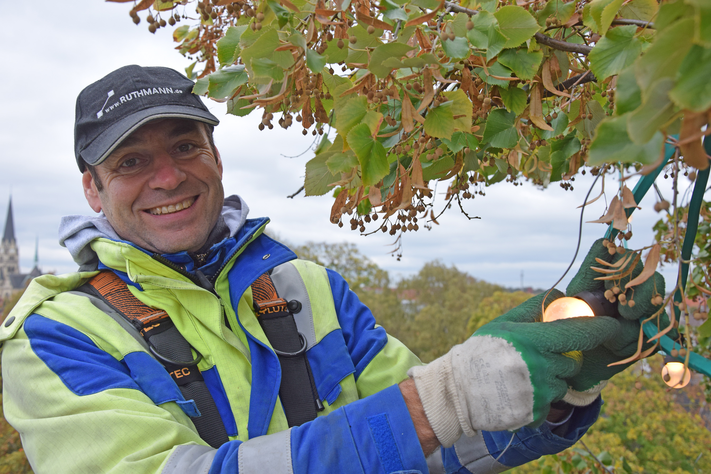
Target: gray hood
x=76, y=232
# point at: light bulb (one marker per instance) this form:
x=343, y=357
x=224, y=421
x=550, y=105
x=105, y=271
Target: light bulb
x=674, y=375
x=567, y=307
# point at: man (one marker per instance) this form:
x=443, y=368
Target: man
x=89, y=395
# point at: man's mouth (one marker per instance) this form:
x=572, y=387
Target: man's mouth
x=158, y=211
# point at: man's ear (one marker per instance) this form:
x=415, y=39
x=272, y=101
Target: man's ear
x=90, y=192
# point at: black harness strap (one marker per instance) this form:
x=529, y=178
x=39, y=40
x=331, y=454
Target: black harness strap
x=297, y=391
x=168, y=346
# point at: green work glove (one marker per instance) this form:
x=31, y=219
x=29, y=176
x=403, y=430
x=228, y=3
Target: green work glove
x=594, y=374
x=508, y=373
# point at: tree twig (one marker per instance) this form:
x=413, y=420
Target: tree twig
x=627, y=21
x=573, y=81
x=562, y=45
x=595, y=457
x=291, y=196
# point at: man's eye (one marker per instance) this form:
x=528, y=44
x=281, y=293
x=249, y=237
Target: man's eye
x=185, y=147
x=129, y=163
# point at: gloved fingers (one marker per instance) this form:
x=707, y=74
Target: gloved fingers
x=530, y=310
x=584, y=280
x=643, y=296
x=624, y=343
x=595, y=369
x=574, y=334
x=566, y=365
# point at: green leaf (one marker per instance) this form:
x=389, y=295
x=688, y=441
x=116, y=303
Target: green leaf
x=315, y=61
x=383, y=52
x=654, y=112
x=587, y=127
x=603, y=12
x=556, y=9
x=500, y=130
x=393, y=11
x=282, y=14
x=664, y=56
x=265, y=67
x=702, y=32
x=644, y=10
x=461, y=109
x=615, y=51
x=318, y=179
x=440, y=121
x=628, y=95
x=496, y=69
x=458, y=48
x=350, y=114
x=342, y=162
x=693, y=86
x=705, y=329
x=373, y=120
x=561, y=151
x=262, y=47
x=457, y=142
x=181, y=33
x=613, y=144
x=521, y=62
x=298, y=40
x=437, y=168
x=605, y=458
x=223, y=82
x=357, y=52
x=516, y=24
x=514, y=99
x=333, y=53
x=201, y=85
x=235, y=106
x=486, y=34
x=228, y=46
x=371, y=154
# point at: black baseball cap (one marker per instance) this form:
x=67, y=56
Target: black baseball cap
x=112, y=108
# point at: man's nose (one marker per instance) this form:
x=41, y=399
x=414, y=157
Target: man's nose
x=166, y=174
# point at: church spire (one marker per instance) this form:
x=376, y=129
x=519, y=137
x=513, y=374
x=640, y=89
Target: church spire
x=9, y=235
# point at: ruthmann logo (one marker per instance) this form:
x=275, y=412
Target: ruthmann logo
x=106, y=108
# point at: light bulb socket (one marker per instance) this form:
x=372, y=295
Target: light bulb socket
x=599, y=304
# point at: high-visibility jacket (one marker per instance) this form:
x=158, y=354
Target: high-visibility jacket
x=86, y=396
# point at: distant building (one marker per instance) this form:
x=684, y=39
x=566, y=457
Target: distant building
x=11, y=280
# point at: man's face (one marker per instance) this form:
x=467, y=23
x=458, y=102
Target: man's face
x=162, y=187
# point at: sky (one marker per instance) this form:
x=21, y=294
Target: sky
x=525, y=235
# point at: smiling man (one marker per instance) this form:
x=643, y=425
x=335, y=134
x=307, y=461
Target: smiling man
x=189, y=341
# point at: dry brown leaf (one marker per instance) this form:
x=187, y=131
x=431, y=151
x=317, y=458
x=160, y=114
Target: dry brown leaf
x=602, y=193
x=408, y=112
x=619, y=220
x=338, y=204
x=467, y=83
x=693, y=149
x=375, y=196
x=290, y=6
x=628, y=198
x=700, y=288
x=618, y=264
x=369, y=20
x=429, y=90
x=536, y=109
x=425, y=18
x=432, y=217
x=650, y=266
x=416, y=176
x=610, y=214
x=548, y=81
x=424, y=41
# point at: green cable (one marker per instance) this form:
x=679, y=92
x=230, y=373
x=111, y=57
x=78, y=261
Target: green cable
x=696, y=362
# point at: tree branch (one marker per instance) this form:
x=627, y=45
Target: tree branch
x=291, y=196
x=640, y=23
x=573, y=81
x=562, y=45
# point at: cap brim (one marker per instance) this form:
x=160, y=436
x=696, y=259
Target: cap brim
x=112, y=137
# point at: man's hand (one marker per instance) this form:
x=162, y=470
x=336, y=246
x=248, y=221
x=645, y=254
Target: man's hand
x=594, y=373
x=508, y=373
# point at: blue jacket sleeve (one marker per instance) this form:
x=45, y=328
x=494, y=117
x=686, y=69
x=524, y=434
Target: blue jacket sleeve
x=502, y=450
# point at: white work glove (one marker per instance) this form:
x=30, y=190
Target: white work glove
x=508, y=373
